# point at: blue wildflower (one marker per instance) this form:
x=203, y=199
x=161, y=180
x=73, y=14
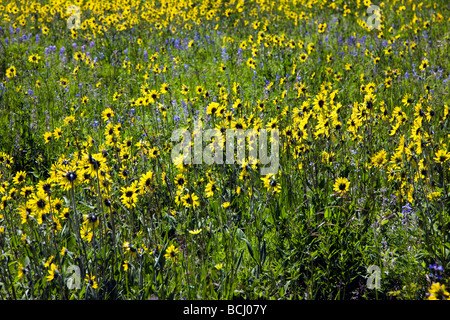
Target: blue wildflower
x=224, y=54
x=406, y=208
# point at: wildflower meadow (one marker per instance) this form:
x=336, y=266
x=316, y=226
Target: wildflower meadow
x=224, y=149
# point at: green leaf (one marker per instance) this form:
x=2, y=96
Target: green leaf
x=311, y=212
x=239, y=261
x=249, y=247
x=240, y=234
x=327, y=213
x=263, y=252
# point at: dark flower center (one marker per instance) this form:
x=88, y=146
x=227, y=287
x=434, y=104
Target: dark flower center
x=46, y=187
x=41, y=203
x=94, y=162
x=71, y=176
